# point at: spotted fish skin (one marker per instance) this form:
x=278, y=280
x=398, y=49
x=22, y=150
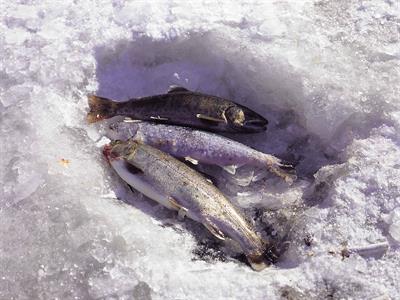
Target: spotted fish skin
x=179, y=186
x=182, y=107
x=205, y=147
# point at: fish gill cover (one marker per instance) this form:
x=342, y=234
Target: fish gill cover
x=324, y=73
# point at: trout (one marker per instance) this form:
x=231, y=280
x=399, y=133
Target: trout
x=180, y=106
x=200, y=146
x=176, y=186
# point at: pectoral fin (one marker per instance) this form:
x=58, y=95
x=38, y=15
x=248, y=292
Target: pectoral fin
x=174, y=203
x=215, y=231
x=181, y=210
x=176, y=89
x=182, y=213
x=209, y=118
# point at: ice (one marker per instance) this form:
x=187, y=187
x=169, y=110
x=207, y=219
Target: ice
x=324, y=73
x=393, y=220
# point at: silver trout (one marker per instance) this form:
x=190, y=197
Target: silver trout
x=201, y=146
x=177, y=186
x=180, y=106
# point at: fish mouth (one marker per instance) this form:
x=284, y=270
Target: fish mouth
x=258, y=266
x=107, y=151
x=255, y=125
x=258, y=262
x=242, y=119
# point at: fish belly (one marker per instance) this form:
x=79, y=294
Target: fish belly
x=141, y=183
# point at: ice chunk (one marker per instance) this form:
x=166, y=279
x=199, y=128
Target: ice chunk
x=394, y=224
x=93, y=134
x=28, y=180
x=372, y=250
x=27, y=186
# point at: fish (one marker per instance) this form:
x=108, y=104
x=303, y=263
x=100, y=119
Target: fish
x=183, y=107
x=200, y=146
x=176, y=186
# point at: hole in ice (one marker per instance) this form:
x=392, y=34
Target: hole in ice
x=143, y=67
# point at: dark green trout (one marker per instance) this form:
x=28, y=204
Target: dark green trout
x=180, y=106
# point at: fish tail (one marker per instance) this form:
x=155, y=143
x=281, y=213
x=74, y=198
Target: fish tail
x=286, y=171
x=100, y=108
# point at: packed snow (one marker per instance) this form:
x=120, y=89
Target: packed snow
x=324, y=73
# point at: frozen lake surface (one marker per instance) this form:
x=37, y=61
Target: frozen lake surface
x=325, y=74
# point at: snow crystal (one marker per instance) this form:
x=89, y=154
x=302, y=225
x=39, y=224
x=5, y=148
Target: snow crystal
x=324, y=73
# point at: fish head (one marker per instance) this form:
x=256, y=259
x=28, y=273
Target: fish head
x=119, y=149
x=257, y=263
x=122, y=130
x=245, y=120
x=261, y=260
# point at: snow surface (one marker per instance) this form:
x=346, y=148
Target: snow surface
x=325, y=73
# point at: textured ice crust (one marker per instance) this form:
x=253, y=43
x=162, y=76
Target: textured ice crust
x=324, y=73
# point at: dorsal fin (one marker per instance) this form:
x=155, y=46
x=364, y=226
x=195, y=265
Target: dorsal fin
x=176, y=89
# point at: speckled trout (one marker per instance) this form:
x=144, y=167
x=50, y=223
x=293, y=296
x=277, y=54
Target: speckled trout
x=180, y=106
x=176, y=186
x=200, y=146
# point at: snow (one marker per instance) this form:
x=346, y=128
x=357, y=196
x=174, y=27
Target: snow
x=324, y=73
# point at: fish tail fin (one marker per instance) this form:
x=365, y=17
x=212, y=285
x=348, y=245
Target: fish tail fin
x=284, y=170
x=100, y=108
